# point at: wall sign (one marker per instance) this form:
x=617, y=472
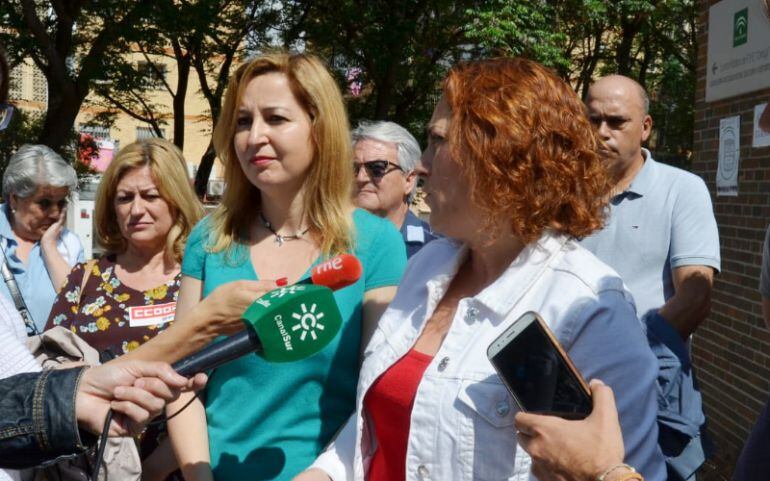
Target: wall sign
x=738, y=59
x=761, y=138
x=729, y=156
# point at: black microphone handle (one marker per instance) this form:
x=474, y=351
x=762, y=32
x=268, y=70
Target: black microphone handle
x=219, y=353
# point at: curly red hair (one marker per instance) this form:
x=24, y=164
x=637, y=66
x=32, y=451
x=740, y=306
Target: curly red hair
x=521, y=137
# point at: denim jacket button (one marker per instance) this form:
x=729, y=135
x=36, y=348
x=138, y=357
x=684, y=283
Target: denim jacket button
x=423, y=472
x=442, y=365
x=503, y=408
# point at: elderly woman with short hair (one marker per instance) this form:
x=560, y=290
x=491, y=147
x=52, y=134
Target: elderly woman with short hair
x=39, y=250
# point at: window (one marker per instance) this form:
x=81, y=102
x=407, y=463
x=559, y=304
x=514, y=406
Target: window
x=39, y=86
x=192, y=170
x=96, y=131
x=148, y=133
x=16, y=90
x=153, y=73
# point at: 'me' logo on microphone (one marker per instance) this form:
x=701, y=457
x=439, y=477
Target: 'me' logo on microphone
x=333, y=264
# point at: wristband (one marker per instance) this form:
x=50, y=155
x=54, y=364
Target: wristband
x=612, y=469
x=629, y=476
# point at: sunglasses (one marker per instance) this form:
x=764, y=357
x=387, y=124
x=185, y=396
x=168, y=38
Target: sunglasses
x=377, y=169
x=6, y=114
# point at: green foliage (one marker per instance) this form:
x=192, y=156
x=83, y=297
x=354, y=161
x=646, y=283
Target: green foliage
x=388, y=56
x=519, y=29
x=73, y=44
x=403, y=47
x=23, y=129
x=652, y=41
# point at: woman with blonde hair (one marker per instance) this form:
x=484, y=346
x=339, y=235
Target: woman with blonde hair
x=145, y=210
x=283, y=137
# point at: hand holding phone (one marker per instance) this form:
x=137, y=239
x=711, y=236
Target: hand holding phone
x=537, y=372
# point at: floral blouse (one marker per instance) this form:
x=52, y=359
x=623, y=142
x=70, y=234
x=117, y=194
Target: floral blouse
x=110, y=315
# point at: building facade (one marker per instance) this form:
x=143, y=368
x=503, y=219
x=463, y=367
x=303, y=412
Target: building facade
x=732, y=348
x=28, y=91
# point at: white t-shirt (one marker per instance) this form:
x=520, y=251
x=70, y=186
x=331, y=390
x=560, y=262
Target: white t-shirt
x=16, y=358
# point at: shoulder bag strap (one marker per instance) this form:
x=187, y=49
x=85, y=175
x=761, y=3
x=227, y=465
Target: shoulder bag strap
x=18, y=300
x=88, y=268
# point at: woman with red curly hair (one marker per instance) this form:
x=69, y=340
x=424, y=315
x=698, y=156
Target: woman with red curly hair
x=513, y=179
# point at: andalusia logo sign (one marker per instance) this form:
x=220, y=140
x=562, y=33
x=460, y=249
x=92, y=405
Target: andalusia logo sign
x=741, y=27
x=308, y=321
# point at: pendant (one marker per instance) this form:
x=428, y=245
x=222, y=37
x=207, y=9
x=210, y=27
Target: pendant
x=279, y=240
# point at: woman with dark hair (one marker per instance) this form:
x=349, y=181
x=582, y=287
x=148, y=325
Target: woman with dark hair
x=513, y=177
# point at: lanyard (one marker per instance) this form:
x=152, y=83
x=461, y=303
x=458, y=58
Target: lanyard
x=13, y=288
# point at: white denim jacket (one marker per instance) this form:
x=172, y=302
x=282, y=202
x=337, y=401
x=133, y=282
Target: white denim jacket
x=462, y=418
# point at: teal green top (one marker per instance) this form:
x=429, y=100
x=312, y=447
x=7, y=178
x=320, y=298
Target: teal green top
x=270, y=421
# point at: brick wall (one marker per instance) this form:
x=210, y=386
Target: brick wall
x=732, y=348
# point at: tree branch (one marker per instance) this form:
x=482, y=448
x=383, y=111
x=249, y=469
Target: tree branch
x=55, y=68
x=155, y=69
x=120, y=106
x=90, y=63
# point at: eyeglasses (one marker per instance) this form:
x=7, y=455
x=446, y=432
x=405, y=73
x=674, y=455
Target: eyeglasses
x=6, y=114
x=377, y=169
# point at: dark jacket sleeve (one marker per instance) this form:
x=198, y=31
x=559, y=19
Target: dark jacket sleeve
x=37, y=418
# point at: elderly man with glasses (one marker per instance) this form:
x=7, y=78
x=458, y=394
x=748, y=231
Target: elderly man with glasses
x=385, y=185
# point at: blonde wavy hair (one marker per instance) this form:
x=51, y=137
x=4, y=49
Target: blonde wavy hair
x=327, y=186
x=169, y=172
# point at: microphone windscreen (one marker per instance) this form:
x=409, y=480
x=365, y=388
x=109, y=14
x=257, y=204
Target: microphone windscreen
x=338, y=272
x=294, y=322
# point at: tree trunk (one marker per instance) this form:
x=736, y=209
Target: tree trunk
x=63, y=107
x=646, y=59
x=623, y=55
x=204, y=171
x=183, y=68
x=588, y=71
x=385, y=93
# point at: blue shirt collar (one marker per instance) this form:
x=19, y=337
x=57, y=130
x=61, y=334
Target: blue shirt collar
x=5, y=224
x=644, y=179
x=410, y=219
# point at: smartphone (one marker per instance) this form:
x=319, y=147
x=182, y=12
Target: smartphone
x=537, y=371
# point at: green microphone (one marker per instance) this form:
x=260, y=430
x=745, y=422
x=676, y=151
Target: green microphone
x=288, y=324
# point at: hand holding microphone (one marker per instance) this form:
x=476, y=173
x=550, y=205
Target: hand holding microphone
x=222, y=309
x=287, y=324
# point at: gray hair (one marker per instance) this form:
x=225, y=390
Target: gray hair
x=33, y=166
x=406, y=145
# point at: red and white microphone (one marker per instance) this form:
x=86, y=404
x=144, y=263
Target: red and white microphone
x=338, y=272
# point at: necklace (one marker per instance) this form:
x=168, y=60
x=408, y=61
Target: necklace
x=280, y=239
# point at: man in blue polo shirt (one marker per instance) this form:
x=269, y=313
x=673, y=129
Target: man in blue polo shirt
x=385, y=156
x=661, y=237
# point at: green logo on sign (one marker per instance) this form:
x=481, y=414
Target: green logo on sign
x=741, y=27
